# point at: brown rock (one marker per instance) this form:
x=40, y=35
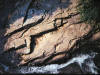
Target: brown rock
x=52, y=28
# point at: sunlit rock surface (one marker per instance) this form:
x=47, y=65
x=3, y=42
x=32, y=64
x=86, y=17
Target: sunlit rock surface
x=42, y=29
x=41, y=32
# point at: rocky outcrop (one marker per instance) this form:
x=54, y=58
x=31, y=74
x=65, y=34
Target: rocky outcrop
x=41, y=31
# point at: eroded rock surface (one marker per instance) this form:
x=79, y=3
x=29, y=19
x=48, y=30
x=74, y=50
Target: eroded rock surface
x=42, y=29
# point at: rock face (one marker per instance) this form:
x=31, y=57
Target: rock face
x=41, y=31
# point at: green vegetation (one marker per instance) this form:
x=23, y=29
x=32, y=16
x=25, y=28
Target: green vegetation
x=90, y=11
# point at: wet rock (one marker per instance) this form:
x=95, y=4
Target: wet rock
x=73, y=68
x=97, y=61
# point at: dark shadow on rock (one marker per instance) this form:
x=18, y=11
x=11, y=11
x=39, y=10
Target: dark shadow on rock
x=7, y=7
x=48, y=6
x=6, y=12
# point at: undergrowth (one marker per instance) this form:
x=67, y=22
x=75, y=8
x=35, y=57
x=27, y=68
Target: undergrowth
x=90, y=12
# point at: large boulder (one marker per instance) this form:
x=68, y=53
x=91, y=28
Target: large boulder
x=42, y=31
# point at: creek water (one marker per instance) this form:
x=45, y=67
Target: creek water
x=85, y=62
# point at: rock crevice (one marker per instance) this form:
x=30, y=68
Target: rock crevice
x=42, y=34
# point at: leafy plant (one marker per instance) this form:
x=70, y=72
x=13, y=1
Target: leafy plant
x=89, y=11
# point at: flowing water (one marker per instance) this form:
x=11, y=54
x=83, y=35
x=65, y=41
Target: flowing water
x=85, y=61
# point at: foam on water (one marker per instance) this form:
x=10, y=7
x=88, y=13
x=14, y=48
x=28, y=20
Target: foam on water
x=53, y=68
x=81, y=59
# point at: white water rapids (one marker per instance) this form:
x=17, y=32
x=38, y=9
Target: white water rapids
x=53, y=68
